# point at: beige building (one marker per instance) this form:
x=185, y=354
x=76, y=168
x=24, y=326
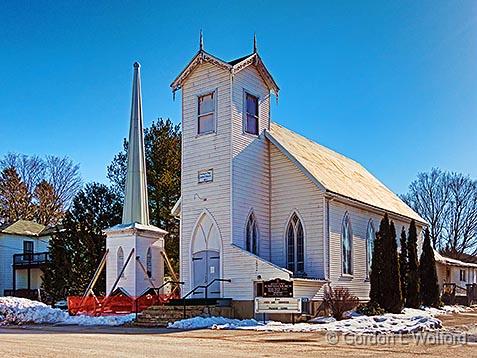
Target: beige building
x=260, y=201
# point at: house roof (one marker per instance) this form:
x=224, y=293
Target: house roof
x=452, y=262
x=337, y=174
x=25, y=228
x=233, y=67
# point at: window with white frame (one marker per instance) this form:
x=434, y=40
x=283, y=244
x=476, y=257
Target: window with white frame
x=206, y=114
x=252, y=235
x=370, y=236
x=295, y=245
x=149, y=263
x=347, y=246
x=251, y=114
x=120, y=261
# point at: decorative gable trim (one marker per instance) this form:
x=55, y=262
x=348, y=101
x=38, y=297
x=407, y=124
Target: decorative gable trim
x=202, y=56
x=199, y=58
x=255, y=60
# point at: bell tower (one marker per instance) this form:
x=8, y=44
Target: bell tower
x=135, y=262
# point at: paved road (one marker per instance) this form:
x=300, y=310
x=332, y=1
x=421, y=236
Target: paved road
x=132, y=342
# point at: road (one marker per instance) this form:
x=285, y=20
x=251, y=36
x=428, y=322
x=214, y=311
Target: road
x=74, y=341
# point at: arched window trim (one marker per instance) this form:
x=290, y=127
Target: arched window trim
x=120, y=261
x=252, y=234
x=149, y=262
x=295, y=235
x=348, y=230
x=370, y=236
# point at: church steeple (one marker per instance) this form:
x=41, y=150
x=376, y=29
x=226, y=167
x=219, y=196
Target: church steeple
x=135, y=208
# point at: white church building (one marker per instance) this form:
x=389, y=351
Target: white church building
x=259, y=201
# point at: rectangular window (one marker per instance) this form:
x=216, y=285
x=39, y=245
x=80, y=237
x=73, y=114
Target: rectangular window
x=251, y=114
x=206, y=114
x=462, y=275
x=27, y=247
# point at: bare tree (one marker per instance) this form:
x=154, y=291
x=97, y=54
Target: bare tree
x=429, y=196
x=448, y=202
x=461, y=223
x=31, y=169
x=64, y=177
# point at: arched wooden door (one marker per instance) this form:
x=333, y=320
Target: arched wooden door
x=206, y=257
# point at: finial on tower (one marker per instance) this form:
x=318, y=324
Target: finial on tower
x=201, y=41
x=254, y=43
x=137, y=64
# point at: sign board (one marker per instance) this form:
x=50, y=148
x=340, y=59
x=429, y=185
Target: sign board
x=277, y=288
x=278, y=305
x=206, y=176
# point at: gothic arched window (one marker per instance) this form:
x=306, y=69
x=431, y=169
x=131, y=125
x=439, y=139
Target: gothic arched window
x=120, y=261
x=295, y=245
x=370, y=236
x=347, y=246
x=252, y=244
x=149, y=262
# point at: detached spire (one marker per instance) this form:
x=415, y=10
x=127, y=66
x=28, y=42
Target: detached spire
x=135, y=208
x=201, y=41
x=254, y=43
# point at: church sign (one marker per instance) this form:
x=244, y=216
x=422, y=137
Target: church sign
x=278, y=288
x=206, y=176
x=278, y=305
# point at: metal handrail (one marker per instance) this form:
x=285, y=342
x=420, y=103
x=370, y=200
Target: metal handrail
x=202, y=286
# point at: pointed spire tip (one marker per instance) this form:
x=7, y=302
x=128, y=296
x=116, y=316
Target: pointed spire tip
x=201, y=41
x=254, y=43
x=137, y=64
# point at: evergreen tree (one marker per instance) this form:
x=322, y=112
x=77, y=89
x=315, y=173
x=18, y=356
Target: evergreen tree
x=403, y=265
x=428, y=274
x=413, y=286
x=163, y=167
x=77, y=250
x=378, y=270
x=392, y=298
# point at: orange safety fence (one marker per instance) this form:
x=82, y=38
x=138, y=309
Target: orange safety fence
x=115, y=305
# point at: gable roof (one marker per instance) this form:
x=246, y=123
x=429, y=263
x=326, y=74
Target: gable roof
x=233, y=67
x=337, y=174
x=452, y=262
x=25, y=228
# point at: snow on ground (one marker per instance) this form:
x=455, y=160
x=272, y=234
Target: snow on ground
x=17, y=311
x=409, y=321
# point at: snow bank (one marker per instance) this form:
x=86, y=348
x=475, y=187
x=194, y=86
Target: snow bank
x=409, y=321
x=19, y=311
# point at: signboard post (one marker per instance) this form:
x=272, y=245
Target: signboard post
x=278, y=298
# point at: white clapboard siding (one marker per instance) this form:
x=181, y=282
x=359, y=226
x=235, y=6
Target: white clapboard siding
x=306, y=288
x=250, y=163
x=243, y=268
x=293, y=191
x=210, y=151
x=358, y=284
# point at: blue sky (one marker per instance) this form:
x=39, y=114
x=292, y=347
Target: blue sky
x=392, y=85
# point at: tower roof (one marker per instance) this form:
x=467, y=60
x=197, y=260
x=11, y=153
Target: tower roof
x=233, y=66
x=135, y=208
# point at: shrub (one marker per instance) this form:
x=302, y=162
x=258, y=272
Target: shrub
x=370, y=309
x=339, y=301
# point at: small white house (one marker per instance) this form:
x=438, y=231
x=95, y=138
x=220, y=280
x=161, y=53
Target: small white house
x=455, y=271
x=260, y=201
x=23, y=253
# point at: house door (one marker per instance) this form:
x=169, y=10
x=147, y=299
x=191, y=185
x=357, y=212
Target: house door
x=206, y=243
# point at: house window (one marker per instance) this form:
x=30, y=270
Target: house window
x=120, y=261
x=251, y=114
x=370, y=235
x=149, y=263
x=206, y=114
x=295, y=245
x=27, y=250
x=347, y=246
x=252, y=235
x=462, y=275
